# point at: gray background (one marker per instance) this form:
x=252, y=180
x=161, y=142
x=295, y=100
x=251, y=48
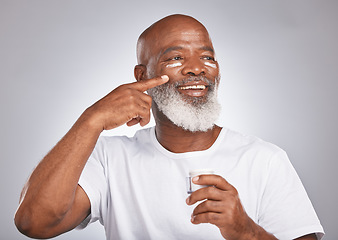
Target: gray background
x=279, y=80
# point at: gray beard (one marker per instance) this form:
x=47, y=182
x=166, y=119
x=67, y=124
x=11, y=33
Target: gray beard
x=190, y=113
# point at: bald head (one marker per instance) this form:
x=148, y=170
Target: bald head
x=172, y=26
x=179, y=46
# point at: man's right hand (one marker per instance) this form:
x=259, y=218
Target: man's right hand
x=126, y=104
x=52, y=202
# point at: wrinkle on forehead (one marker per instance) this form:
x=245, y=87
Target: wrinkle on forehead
x=173, y=26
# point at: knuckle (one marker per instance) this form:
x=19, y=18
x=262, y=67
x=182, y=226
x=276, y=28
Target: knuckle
x=234, y=196
x=148, y=99
x=210, y=190
x=220, y=181
x=132, y=107
x=131, y=97
x=144, y=111
x=144, y=85
x=207, y=217
x=235, y=192
x=232, y=205
x=209, y=205
x=130, y=117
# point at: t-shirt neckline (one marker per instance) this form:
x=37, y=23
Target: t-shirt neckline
x=169, y=154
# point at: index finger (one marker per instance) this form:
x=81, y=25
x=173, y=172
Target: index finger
x=214, y=180
x=144, y=85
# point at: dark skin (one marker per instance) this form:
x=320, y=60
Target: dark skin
x=192, y=49
x=52, y=202
x=190, y=45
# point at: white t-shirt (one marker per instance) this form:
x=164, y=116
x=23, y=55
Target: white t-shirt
x=137, y=188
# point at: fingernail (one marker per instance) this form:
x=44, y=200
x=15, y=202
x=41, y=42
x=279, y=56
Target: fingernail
x=195, y=179
x=187, y=200
x=192, y=218
x=165, y=77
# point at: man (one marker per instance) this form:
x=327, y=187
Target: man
x=136, y=186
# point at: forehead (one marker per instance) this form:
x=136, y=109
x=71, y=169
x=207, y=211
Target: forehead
x=176, y=38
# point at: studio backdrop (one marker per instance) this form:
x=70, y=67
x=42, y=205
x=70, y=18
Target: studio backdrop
x=279, y=71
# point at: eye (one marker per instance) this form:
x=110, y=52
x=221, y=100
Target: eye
x=176, y=58
x=208, y=58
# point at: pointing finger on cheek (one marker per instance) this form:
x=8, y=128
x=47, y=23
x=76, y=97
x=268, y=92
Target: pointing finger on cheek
x=144, y=85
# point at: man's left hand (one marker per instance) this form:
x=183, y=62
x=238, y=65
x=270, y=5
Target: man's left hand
x=222, y=207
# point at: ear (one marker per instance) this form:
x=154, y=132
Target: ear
x=139, y=72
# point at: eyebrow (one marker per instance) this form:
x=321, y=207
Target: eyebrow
x=209, y=49
x=169, y=49
x=174, y=48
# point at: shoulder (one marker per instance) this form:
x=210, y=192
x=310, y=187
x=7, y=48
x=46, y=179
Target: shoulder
x=253, y=152
x=242, y=142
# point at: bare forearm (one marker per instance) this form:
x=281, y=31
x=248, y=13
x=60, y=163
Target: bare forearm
x=259, y=233
x=51, y=201
x=250, y=231
x=51, y=188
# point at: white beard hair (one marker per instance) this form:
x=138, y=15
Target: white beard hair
x=195, y=115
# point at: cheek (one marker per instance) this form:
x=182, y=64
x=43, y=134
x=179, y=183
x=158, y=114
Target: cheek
x=212, y=65
x=213, y=69
x=171, y=69
x=173, y=65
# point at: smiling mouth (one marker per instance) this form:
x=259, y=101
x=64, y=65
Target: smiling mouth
x=193, y=87
x=194, y=90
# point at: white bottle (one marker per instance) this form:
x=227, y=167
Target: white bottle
x=191, y=187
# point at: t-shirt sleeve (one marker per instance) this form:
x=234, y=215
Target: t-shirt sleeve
x=93, y=182
x=286, y=211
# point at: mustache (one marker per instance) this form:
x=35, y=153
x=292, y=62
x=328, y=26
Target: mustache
x=195, y=79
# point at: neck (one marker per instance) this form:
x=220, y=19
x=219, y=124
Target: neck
x=178, y=140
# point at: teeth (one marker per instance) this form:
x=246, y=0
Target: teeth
x=199, y=87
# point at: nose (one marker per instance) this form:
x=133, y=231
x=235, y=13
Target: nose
x=193, y=67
